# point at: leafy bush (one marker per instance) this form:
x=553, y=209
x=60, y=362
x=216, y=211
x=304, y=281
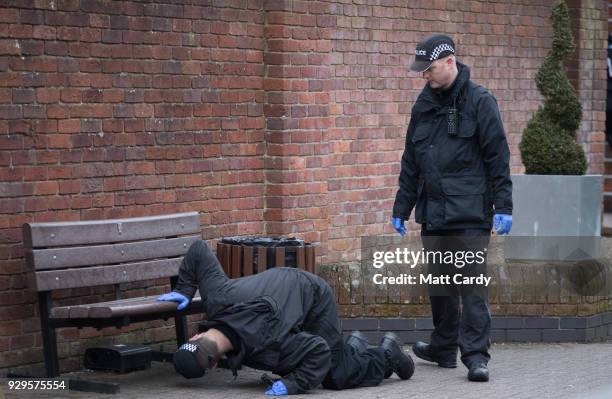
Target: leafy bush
x=548, y=145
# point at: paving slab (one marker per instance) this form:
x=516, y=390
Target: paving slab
x=519, y=371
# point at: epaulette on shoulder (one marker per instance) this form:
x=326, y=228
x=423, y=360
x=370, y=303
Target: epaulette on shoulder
x=477, y=92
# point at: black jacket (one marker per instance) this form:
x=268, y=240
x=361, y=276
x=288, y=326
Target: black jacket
x=270, y=312
x=456, y=179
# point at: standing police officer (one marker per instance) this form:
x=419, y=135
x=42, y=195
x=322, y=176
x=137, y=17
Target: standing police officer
x=455, y=174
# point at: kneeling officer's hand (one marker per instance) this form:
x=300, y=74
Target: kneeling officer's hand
x=175, y=297
x=277, y=389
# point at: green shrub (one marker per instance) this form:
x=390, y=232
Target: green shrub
x=548, y=145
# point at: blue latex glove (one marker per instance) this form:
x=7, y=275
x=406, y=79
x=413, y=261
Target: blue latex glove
x=398, y=225
x=502, y=223
x=175, y=297
x=277, y=389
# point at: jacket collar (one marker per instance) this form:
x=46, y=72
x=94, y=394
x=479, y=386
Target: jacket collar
x=430, y=98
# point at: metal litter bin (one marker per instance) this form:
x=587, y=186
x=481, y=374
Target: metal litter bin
x=243, y=255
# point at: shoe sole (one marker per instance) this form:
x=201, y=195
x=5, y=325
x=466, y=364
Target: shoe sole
x=421, y=355
x=486, y=379
x=408, y=362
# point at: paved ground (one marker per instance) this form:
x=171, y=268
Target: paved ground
x=519, y=371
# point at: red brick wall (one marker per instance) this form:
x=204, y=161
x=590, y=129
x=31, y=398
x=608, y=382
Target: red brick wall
x=115, y=109
x=588, y=70
x=268, y=117
x=298, y=98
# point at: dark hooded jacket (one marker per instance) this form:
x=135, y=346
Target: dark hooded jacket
x=456, y=177
x=271, y=312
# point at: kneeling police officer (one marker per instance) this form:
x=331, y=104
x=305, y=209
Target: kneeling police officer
x=283, y=320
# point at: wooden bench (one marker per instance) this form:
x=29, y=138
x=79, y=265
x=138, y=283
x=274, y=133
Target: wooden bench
x=91, y=253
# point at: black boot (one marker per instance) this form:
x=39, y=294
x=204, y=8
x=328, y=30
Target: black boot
x=478, y=372
x=425, y=352
x=397, y=361
x=358, y=341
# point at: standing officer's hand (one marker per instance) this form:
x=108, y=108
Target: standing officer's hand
x=398, y=225
x=175, y=297
x=502, y=223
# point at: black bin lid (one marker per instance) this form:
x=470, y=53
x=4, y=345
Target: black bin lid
x=250, y=241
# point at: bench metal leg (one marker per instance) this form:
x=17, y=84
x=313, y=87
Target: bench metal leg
x=180, y=324
x=48, y=335
x=180, y=321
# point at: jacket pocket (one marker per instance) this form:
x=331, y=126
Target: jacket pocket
x=420, y=140
x=462, y=149
x=467, y=128
x=464, y=198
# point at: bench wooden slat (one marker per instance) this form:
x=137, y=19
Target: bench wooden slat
x=82, y=310
x=110, y=274
x=145, y=305
x=141, y=308
x=118, y=308
x=61, y=311
x=77, y=312
x=56, y=258
x=109, y=231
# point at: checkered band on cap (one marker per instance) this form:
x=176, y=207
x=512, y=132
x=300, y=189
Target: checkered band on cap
x=442, y=47
x=189, y=347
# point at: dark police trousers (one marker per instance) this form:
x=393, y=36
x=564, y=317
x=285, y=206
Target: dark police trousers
x=468, y=327
x=349, y=368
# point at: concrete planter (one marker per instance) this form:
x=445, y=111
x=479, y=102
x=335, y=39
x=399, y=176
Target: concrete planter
x=555, y=217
